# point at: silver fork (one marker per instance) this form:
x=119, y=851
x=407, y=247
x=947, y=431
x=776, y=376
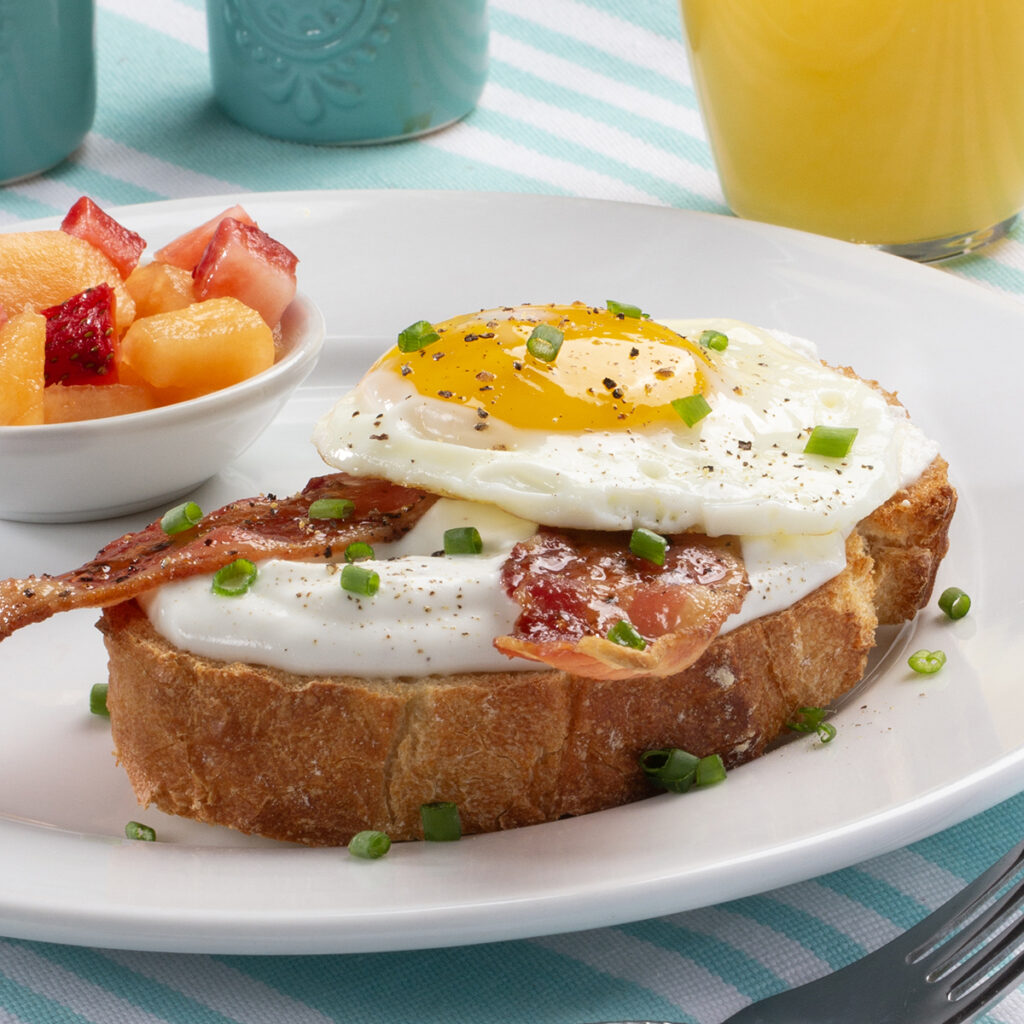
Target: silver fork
x=947, y=969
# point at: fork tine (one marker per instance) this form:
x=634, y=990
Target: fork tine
x=967, y=944
x=989, y=992
x=940, y=924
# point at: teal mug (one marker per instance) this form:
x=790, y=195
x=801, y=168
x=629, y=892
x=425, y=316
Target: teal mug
x=47, y=83
x=347, y=71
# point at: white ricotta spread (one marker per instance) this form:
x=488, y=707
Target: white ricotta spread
x=433, y=613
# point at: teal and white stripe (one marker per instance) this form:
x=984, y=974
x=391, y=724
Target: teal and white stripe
x=585, y=98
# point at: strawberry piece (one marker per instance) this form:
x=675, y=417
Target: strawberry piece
x=80, y=339
x=187, y=250
x=3, y=316
x=244, y=262
x=121, y=246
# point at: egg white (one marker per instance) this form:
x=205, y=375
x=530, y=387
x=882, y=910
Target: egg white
x=740, y=470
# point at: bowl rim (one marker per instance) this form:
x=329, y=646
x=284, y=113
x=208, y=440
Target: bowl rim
x=304, y=352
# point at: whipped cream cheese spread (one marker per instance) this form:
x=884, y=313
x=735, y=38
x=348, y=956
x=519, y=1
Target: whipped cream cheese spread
x=433, y=613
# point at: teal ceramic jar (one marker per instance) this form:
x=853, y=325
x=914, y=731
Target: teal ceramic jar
x=47, y=83
x=347, y=71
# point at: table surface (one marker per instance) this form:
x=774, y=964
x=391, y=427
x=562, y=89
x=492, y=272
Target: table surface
x=585, y=98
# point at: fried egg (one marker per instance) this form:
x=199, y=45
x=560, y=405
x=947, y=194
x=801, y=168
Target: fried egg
x=598, y=433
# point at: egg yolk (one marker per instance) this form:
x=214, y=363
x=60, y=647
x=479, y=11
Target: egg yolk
x=612, y=372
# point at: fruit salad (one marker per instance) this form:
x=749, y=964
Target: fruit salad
x=87, y=330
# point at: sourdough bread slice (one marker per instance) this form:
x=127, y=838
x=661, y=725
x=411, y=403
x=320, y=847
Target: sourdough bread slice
x=315, y=760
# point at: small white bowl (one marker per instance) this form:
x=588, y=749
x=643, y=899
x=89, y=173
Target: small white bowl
x=96, y=469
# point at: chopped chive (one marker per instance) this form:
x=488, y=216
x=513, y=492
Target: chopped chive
x=331, y=508
x=544, y=342
x=463, y=540
x=678, y=770
x=834, y=442
x=715, y=340
x=624, y=634
x=672, y=769
x=180, y=518
x=357, y=551
x=954, y=602
x=692, y=409
x=357, y=580
x=416, y=336
x=369, y=845
x=235, y=578
x=927, y=662
x=710, y=770
x=441, y=822
x=813, y=720
x=136, y=830
x=649, y=545
x=98, y=699
x=625, y=309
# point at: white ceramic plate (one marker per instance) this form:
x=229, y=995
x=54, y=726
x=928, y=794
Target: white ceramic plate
x=913, y=754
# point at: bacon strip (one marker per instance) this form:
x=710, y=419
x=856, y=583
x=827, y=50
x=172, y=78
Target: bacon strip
x=254, y=528
x=573, y=586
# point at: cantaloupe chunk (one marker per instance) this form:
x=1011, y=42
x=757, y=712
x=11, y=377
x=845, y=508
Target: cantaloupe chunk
x=22, y=355
x=63, y=404
x=43, y=268
x=200, y=348
x=159, y=288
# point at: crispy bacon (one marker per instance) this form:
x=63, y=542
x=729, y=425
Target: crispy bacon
x=254, y=528
x=574, y=585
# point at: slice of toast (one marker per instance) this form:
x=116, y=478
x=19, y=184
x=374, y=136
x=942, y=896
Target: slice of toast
x=315, y=760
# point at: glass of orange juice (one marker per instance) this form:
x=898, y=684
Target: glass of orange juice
x=899, y=123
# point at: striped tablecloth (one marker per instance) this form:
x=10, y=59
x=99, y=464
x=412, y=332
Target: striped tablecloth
x=585, y=98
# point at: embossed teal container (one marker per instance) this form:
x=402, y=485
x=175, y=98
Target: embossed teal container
x=347, y=71
x=47, y=83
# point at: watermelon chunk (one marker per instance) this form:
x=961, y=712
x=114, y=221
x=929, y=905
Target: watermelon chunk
x=187, y=250
x=87, y=221
x=244, y=262
x=80, y=339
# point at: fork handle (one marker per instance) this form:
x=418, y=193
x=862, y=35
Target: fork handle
x=828, y=1000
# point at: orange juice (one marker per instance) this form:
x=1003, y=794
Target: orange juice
x=884, y=121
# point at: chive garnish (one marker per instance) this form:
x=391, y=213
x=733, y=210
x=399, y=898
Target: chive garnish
x=834, y=442
x=235, y=578
x=954, y=602
x=813, y=720
x=369, y=845
x=625, y=309
x=672, y=769
x=136, y=830
x=649, y=545
x=710, y=770
x=624, y=634
x=98, y=699
x=416, y=336
x=441, y=822
x=714, y=340
x=678, y=770
x=463, y=540
x=544, y=342
x=927, y=662
x=331, y=508
x=357, y=551
x=692, y=408
x=357, y=580
x=180, y=518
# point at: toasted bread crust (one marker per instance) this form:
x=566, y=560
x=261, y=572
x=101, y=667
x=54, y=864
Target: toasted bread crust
x=907, y=538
